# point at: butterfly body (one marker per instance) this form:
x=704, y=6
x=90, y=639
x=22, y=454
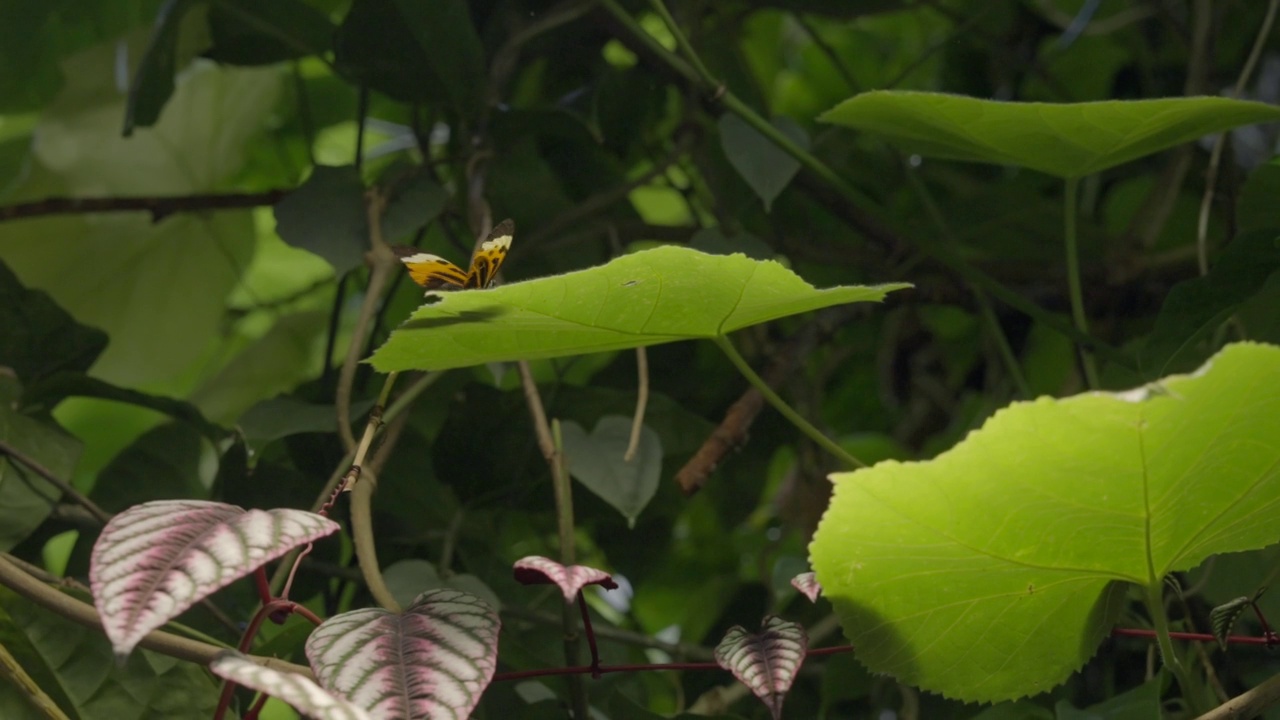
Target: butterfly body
x=433, y=271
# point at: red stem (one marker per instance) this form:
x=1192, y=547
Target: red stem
x=591, y=635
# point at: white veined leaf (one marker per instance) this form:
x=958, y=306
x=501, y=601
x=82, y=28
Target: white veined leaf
x=304, y=695
x=767, y=661
x=535, y=570
x=433, y=660
x=808, y=585
x=155, y=560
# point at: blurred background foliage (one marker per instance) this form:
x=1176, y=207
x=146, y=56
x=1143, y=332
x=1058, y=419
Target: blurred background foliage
x=193, y=351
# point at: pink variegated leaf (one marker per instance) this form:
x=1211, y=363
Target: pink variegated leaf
x=304, y=695
x=433, y=660
x=155, y=560
x=808, y=585
x=537, y=570
x=767, y=661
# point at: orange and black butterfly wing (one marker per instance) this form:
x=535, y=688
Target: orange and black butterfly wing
x=487, y=260
x=431, y=270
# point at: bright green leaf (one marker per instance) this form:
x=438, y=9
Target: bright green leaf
x=1067, y=140
x=655, y=296
x=994, y=570
x=597, y=460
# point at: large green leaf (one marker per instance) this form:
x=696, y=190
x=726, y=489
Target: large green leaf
x=994, y=570
x=1067, y=140
x=655, y=296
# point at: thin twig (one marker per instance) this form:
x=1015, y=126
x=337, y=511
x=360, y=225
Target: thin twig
x=382, y=261
x=84, y=614
x=642, y=400
x=1215, y=157
x=102, y=516
x=159, y=207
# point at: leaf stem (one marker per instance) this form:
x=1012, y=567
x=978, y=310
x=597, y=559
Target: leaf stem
x=787, y=411
x=1070, y=211
x=1155, y=606
x=850, y=194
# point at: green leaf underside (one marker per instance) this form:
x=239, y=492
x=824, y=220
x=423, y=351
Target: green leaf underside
x=654, y=296
x=992, y=572
x=1066, y=140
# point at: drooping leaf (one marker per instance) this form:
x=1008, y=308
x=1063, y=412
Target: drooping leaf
x=26, y=498
x=252, y=33
x=1194, y=308
x=431, y=661
x=599, y=462
x=326, y=216
x=767, y=661
x=808, y=585
x=155, y=560
x=653, y=296
x=537, y=570
x=1223, y=618
x=766, y=167
x=1063, y=139
x=152, y=83
x=38, y=338
x=994, y=570
x=304, y=695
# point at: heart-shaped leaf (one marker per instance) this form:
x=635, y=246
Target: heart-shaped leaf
x=649, y=297
x=1067, y=140
x=767, y=661
x=431, y=661
x=326, y=216
x=808, y=585
x=994, y=570
x=304, y=695
x=766, y=167
x=155, y=560
x=599, y=462
x=538, y=570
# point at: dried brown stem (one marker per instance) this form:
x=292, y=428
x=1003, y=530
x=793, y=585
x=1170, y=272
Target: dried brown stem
x=159, y=207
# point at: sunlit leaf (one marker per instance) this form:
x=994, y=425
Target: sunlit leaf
x=599, y=462
x=767, y=661
x=994, y=570
x=1063, y=139
x=431, y=661
x=535, y=570
x=304, y=695
x=155, y=560
x=654, y=296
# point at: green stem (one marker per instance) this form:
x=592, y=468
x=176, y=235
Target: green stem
x=569, y=620
x=1070, y=211
x=1155, y=606
x=937, y=251
x=805, y=426
x=682, y=41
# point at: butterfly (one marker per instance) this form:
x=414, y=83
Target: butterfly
x=432, y=271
